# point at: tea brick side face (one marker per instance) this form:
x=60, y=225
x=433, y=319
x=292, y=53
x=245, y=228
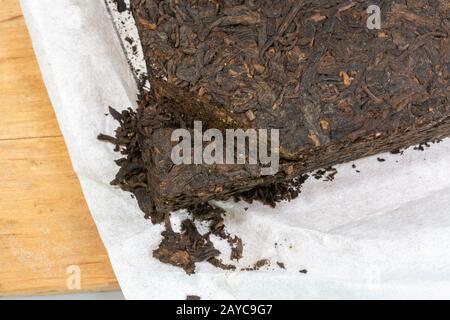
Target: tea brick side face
x=312, y=69
x=147, y=169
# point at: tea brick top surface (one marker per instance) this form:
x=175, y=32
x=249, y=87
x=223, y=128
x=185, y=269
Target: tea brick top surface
x=312, y=69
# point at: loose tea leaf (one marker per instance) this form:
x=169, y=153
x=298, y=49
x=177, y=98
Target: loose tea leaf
x=189, y=247
x=258, y=265
x=185, y=249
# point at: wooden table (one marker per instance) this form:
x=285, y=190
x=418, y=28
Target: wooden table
x=45, y=225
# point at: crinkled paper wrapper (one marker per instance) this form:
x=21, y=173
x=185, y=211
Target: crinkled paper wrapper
x=381, y=233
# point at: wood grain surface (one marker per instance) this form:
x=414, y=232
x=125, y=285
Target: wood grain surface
x=45, y=225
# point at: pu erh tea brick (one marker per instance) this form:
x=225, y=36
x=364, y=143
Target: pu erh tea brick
x=312, y=69
x=340, y=80
x=336, y=89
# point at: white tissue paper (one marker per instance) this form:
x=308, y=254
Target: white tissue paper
x=381, y=233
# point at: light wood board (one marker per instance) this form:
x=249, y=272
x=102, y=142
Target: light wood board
x=45, y=225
